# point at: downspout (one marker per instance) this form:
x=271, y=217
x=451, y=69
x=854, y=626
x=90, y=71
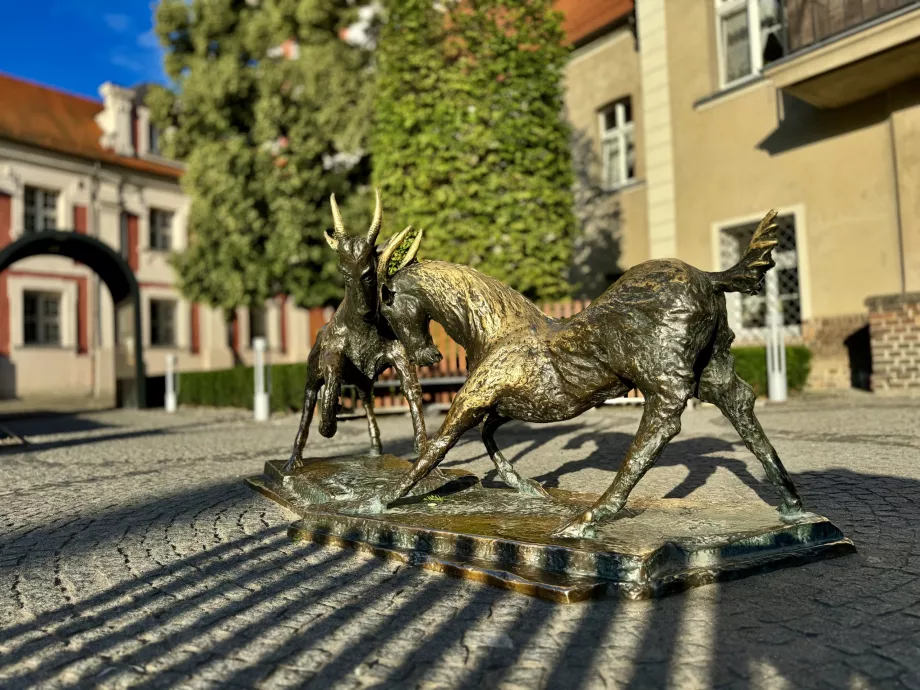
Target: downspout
x=897, y=192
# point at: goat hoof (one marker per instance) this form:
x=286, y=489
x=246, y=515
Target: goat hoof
x=791, y=514
x=579, y=528
x=531, y=487
x=294, y=463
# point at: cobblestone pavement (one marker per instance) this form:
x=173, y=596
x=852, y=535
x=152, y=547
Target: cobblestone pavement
x=131, y=554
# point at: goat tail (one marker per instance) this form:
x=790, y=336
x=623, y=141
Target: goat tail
x=748, y=274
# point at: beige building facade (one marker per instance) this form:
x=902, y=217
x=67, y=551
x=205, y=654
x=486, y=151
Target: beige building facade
x=739, y=106
x=69, y=163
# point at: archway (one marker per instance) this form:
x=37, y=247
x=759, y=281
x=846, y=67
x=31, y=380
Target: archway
x=107, y=264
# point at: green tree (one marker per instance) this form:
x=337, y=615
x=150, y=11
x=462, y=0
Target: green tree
x=266, y=137
x=469, y=139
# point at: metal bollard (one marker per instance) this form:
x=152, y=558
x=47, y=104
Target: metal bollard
x=170, y=401
x=776, y=355
x=261, y=408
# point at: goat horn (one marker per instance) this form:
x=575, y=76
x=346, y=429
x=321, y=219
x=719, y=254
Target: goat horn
x=336, y=218
x=387, y=255
x=413, y=250
x=378, y=217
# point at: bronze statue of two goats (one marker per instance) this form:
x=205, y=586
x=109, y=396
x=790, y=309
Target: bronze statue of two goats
x=661, y=328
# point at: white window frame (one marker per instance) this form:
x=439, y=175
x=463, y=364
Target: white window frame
x=154, y=340
x=153, y=139
x=42, y=318
x=755, y=39
x=40, y=210
x=155, y=227
x=620, y=133
x=797, y=258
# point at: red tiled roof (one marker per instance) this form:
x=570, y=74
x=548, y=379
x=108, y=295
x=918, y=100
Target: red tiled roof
x=585, y=17
x=62, y=122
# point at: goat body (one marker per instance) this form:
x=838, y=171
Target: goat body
x=661, y=328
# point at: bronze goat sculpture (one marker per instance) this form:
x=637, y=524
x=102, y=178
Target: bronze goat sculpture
x=661, y=328
x=351, y=349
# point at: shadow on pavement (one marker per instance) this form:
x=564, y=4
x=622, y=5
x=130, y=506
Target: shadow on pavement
x=258, y=609
x=40, y=422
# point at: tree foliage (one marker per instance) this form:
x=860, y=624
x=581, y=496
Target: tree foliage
x=262, y=139
x=469, y=139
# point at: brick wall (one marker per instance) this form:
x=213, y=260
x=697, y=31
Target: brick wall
x=894, y=328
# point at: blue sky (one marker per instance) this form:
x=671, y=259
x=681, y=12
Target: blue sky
x=75, y=45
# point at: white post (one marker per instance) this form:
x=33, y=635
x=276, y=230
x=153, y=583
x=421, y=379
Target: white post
x=776, y=352
x=171, y=380
x=261, y=403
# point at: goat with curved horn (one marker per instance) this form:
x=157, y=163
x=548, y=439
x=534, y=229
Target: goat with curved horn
x=350, y=349
x=377, y=221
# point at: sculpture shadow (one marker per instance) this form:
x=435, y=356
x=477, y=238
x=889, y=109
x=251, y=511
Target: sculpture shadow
x=700, y=456
x=255, y=609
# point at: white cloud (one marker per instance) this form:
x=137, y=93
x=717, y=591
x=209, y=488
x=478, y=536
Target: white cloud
x=149, y=40
x=128, y=62
x=144, y=58
x=119, y=23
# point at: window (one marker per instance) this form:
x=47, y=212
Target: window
x=744, y=51
x=618, y=149
x=160, y=229
x=257, y=328
x=40, y=210
x=153, y=139
x=162, y=322
x=747, y=314
x=41, y=318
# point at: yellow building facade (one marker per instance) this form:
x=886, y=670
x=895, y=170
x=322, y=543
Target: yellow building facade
x=739, y=106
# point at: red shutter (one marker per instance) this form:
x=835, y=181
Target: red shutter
x=6, y=220
x=196, y=343
x=317, y=321
x=82, y=316
x=282, y=302
x=132, y=241
x=79, y=219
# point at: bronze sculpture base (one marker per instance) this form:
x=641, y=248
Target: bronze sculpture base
x=451, y=524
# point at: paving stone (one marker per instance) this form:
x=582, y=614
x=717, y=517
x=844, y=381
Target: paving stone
x=144, y=558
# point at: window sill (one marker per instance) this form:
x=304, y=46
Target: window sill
x=43, y=346
x=626, y=186
x=729, y=89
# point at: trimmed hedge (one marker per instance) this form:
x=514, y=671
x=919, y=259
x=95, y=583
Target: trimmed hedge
x=751, y=365
x=234, y=387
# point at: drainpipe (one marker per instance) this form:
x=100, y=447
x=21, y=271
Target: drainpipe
x=897, y=191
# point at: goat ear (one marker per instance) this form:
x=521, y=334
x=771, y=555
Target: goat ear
x=331, y=239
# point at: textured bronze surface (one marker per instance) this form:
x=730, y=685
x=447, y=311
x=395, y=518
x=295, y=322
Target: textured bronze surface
x=661, y=328
x=504, y=538
x=351, y=348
